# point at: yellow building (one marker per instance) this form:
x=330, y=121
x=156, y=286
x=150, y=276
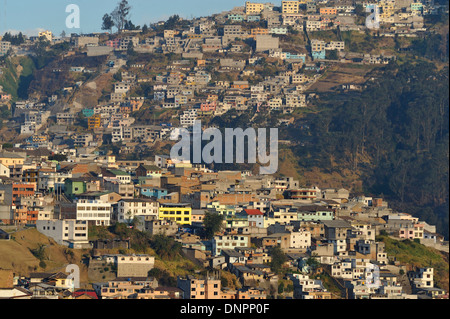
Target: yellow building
x=179, y=213
x=253, y=8
x=386, y=9
x=94, y=121
x=47, y=35
x=290, y=6
x=11, y=159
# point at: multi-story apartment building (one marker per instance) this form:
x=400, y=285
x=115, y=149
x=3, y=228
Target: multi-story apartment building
x=64, y=232
x=122, y=87
x=188, y=117
x=290, y=6
x=253, y=8
x=46, y=34
x=94, y=122
x=317, y=45
x=229, y=242
x=4, y=47
x=180, y=213
x=94, y=212
x=422, y=278
x=129, y=208
x=300, y=240
x=328, y=11
x=208, y=288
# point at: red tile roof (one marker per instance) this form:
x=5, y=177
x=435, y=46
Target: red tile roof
x=253, y=212
x=91, y=294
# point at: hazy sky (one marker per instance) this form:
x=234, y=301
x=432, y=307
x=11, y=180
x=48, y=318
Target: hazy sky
x=31, y=16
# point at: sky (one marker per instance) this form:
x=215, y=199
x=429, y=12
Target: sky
x=32, y=16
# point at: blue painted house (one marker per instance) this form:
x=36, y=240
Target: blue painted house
x=253, y=18
x=87, y=112
x=153, y=192
x=318, y=55
x=236, y=17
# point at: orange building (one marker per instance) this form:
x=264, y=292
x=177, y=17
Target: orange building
x=234, y=199
x=94, y=122
x=258, y=31
x=209, y=288
x=328, y=11
x=22, y=190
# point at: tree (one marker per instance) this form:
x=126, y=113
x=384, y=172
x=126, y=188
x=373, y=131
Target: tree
x=120, y=14
x=172, y=22
x=213, y=223
x=58, y=157
x=313, y=263
x=130, y=49
x=130, y=26
x=332, y=55
x=108, y=23
x=144, y=29
x=278, y=258
x=166, y=247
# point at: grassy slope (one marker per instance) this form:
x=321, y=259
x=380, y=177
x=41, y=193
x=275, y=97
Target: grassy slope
x=418, y=255
x=15, y=254
x=17, y=75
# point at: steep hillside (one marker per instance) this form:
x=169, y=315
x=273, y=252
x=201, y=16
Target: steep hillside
x=392, y=137
x=417, y=255
x=17, y=254
x=17, y=76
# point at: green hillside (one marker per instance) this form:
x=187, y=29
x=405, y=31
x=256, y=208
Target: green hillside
x=17, y=76
x=417, y=255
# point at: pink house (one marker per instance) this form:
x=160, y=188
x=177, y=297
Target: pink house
x=416, y=232
x=113, y=43
x=208, y=106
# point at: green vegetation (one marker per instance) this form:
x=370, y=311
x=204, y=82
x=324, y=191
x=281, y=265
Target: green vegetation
x=16, y=83
x=395, y=135
x=433, y=47
x=39, y=252
x=278, y=259
x=166, y=247
x=329, y=283
x=213, y=223
x=417, y=255
x=17, y=39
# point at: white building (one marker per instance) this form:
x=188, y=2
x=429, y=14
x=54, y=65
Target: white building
x=188, y=117
x=229, y=242
x=93, y=211
x=4, y=170
x=300, y=240
x=68, y=232
x=121, y=87
x=128, y=208
x=423, y=278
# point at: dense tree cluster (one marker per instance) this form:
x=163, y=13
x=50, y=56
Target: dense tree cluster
x=396, y=133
